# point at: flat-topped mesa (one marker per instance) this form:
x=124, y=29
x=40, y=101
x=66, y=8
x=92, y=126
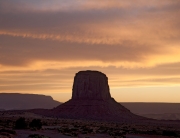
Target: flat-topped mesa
x=91, y=85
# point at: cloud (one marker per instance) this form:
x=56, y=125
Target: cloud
x=63, y=5
x=125, y=39
x=32, y=50
x=61, y=80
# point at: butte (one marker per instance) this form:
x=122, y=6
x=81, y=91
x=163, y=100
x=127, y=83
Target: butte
x=91, y=100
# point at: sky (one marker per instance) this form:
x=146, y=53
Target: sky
x=136, y=43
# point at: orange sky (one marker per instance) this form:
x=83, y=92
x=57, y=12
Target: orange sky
x=135, y=43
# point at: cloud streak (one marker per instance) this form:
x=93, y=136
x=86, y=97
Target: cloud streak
x=118, y=30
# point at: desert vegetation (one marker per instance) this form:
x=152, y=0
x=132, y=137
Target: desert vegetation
x=10, y=127
x=36, y=123
x=21, y=123
x=37, y=136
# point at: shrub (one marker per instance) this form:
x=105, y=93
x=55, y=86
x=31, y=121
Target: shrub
x=37, y=136
x=21, y=123
x=36, y=123
x=170, y=133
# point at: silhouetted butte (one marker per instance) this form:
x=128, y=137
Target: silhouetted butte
x=91, y=99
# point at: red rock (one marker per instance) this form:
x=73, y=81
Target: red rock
x=90, y=85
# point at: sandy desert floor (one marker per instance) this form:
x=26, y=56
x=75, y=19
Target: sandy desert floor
x=46, y=133
x=69, y=128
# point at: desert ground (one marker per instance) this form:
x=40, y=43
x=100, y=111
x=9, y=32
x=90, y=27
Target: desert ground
x=69, y=128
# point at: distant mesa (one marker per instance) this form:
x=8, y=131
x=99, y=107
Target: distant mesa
x=17, y=101
x=91, y=99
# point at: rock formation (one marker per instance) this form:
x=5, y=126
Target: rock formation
x=91, y=99
x=90, y=85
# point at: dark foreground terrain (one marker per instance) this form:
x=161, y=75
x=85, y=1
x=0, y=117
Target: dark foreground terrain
x=67, y=128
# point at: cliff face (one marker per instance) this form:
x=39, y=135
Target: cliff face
x=16, y=101
x=90, y=85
